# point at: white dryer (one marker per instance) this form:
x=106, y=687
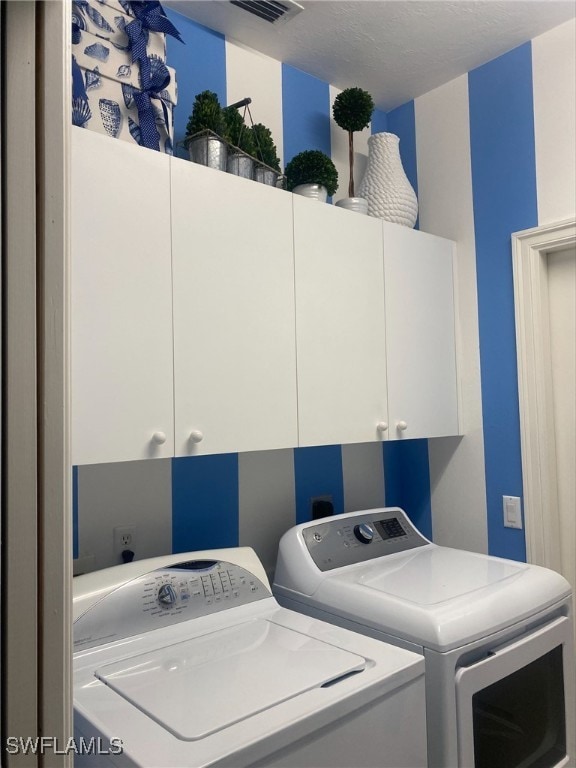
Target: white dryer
x=496, y=634
x=189, y=661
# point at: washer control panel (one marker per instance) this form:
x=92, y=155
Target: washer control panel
x=348, y=539
x=167, y=596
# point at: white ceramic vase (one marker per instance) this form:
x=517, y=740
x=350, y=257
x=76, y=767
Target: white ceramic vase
x=385, y=185
x=357, y=204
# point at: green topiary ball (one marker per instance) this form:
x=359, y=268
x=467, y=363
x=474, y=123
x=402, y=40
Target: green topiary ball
x=206, y=114
x=264, y=146
x=237, y=132
x=312, y=167
x=353, y=109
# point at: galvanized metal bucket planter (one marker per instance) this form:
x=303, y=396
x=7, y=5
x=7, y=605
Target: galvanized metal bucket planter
x=240, y=165
x=207, y=148
x=210, y=149
x=266, y=175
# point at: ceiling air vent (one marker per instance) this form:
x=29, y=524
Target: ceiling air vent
x=272, y=11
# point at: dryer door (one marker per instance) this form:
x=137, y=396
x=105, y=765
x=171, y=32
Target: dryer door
x=511, y=705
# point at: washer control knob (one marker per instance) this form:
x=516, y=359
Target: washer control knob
x=167, y=595
x=364, y=533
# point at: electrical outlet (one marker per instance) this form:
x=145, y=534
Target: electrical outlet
x=511, y=511
x=321, y=506
x=124, y=538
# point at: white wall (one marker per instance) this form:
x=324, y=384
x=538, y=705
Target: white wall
x=249, y=73
x=457, y=480
x=554, y=78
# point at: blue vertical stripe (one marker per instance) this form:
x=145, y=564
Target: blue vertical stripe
x=407, y=480
x=402, y=122
x=406, y=466
x=318, y=472
x=75, y=512
x=205, y=502
x=305, y=113
x=504, y=191
x=200, y=65
x=379, y=122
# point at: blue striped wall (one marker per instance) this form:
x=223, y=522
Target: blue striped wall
x=406, y=466
x=204, y=502
x=504, y=193
x=407, y=474
x=305, y=112
x=205, y=490
x=401, y=121
x=200, y=64
x=318, y=472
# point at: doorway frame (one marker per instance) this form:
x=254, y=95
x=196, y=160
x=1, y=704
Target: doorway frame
x=36, y=574
x=530, y=250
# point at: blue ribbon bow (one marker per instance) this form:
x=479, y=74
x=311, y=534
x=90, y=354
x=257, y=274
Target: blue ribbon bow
x=143, y=99
x=152, y=17
x=154, y=74
x=138, y=43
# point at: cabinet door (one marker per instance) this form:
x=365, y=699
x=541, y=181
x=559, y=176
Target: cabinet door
x=121, y=301
x=420, y=336
x=340, y=324
x=234, y=346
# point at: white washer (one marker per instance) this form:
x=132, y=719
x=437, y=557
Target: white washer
x=496, y=634
x=189, y=661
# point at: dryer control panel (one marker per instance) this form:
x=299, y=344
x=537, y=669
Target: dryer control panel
x=349, y=539
x=167, y=596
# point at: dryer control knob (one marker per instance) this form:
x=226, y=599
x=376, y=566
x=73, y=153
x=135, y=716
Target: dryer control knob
x=364, y=533
x=167, y=595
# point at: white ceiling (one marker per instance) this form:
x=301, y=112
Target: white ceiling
x=395, y=49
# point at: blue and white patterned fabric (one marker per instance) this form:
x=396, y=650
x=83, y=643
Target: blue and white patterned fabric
x=121, y=85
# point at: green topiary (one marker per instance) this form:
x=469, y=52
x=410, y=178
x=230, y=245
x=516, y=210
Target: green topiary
x=206, y=114
x=352, y=111
x=312, y=167
x=237, y=132
x=264, y=146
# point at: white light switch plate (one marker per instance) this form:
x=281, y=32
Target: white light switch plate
x=512, y=511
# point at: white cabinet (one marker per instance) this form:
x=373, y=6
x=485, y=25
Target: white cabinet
x=212, y=314
x=340, y=325
x=234, y=345
x=374, y=327
x=420, y=334
x=121, y=352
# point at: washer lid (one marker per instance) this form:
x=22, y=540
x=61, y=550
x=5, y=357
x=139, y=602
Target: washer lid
x=435, y=575
x=200, y=686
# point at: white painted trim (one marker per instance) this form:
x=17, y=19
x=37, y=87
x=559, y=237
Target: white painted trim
x=459, y=517
x=37, y=520
x=20, y=630
x=54, y=97
x=529, y=255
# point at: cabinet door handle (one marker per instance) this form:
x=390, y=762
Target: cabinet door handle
x=382, y=426
x=159, y=438
x=196, y=436
x=401, y=426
